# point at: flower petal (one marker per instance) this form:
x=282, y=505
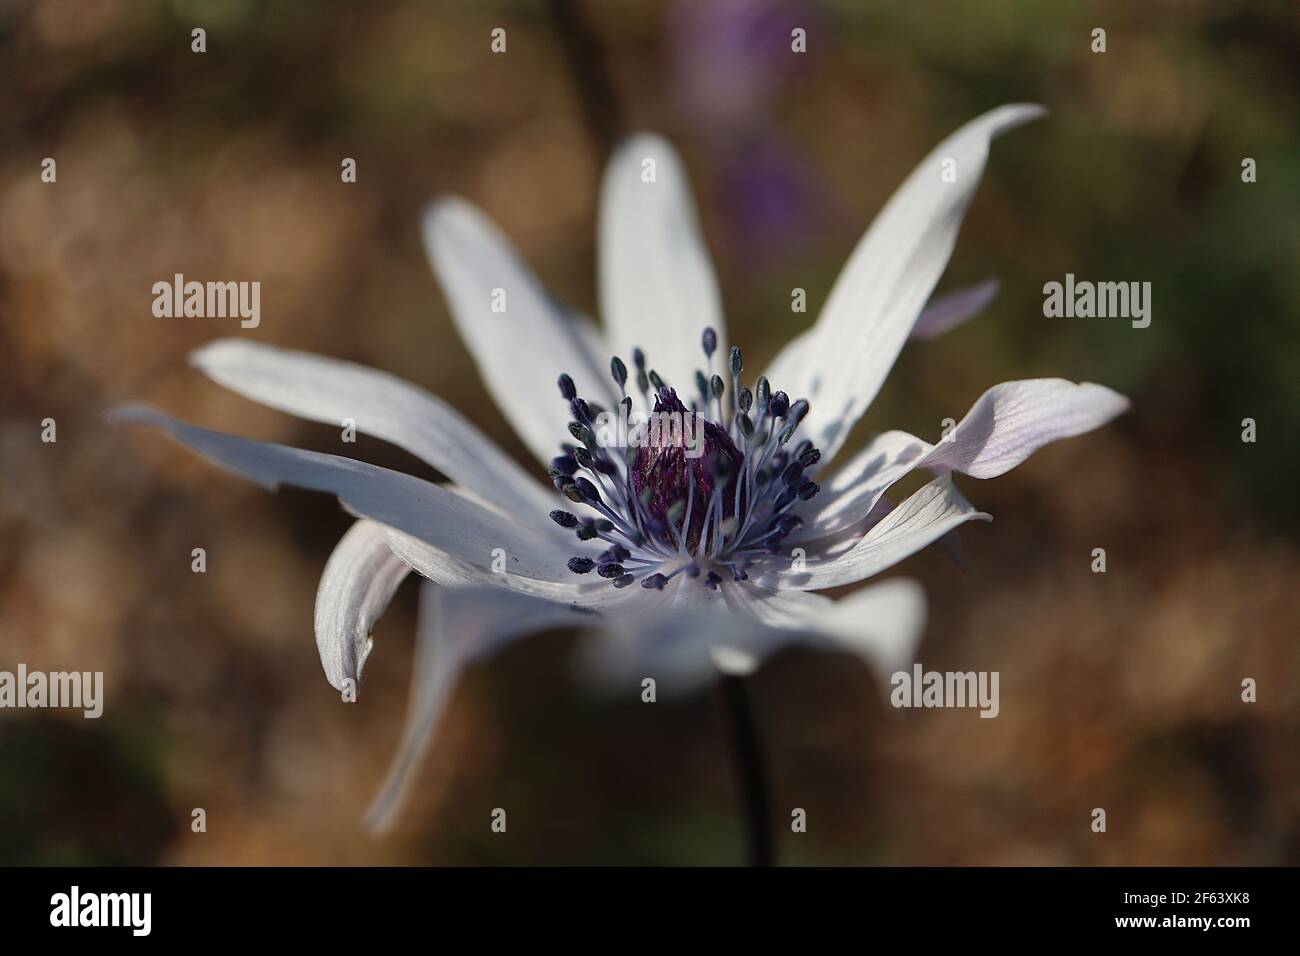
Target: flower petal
x=1007, y=424
x=521, y=351
x=881, y=623
x=328, y=390
x=359, y=580
x=457, y=626
x=880, y=292
x=1011, y=421
x=443, y=568
x=447, y=520
x=956, y=308
x=928, y=514
x=657, y=286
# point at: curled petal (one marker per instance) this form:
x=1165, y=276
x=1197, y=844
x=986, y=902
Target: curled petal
x=1007, y=424
x=457, y=626
x=359, y=580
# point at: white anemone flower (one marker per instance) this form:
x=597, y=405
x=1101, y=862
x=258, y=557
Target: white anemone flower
x=754, y=525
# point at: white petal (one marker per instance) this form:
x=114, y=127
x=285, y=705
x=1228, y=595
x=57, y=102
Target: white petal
x=657, y=287
x=956, y=308
x=855, y=488
x=457, y=626
x=671, y=636
x=443, y=568
x=881, y=623
x=733, y=661
x=880, y=292
x=522, y=351
x=328, y=390
x=1011, y=421
x=358, y=582
x=1007, y=424
x=442, y=518
x=929, y=514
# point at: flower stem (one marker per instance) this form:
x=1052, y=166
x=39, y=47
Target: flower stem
x=751, y=770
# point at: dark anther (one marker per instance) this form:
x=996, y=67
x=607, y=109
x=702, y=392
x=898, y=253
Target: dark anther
x=764, y=389
x=586, y=532
x=572, y=493
x=638, y=359
x=582, y=433
x=587, y=490
x=717, y=386
x=567, y=388
x=654, y=582
x=619, y=371
x=624, y=581
x=564, y=519
x=604, y=525
x=808, y=489
x=746, y=425
x=710, y=342
x=810, y=457
x=701, y=384
x=713, y=580
x=580, y=410
x=581, y=565
x=611, y=570
x=778, y=405
x=656, y=381
x=737, y=361
x=746, y=399
x=565, y=464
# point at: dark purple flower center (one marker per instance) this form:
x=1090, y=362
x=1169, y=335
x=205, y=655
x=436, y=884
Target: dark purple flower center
x=690, y=495
x=668, y=474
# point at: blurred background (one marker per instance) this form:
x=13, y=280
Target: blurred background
x=1119, y=690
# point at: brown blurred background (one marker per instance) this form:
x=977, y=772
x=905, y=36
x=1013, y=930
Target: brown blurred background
x=1119, y=690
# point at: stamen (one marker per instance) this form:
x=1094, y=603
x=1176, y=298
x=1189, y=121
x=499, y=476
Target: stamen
x=709, y=340
x=717, y=507
x=564, y=519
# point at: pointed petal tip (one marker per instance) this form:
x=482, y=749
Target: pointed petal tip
x=216, y=351
x=1017, y=114
x=445, y=212
x=133, y=413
